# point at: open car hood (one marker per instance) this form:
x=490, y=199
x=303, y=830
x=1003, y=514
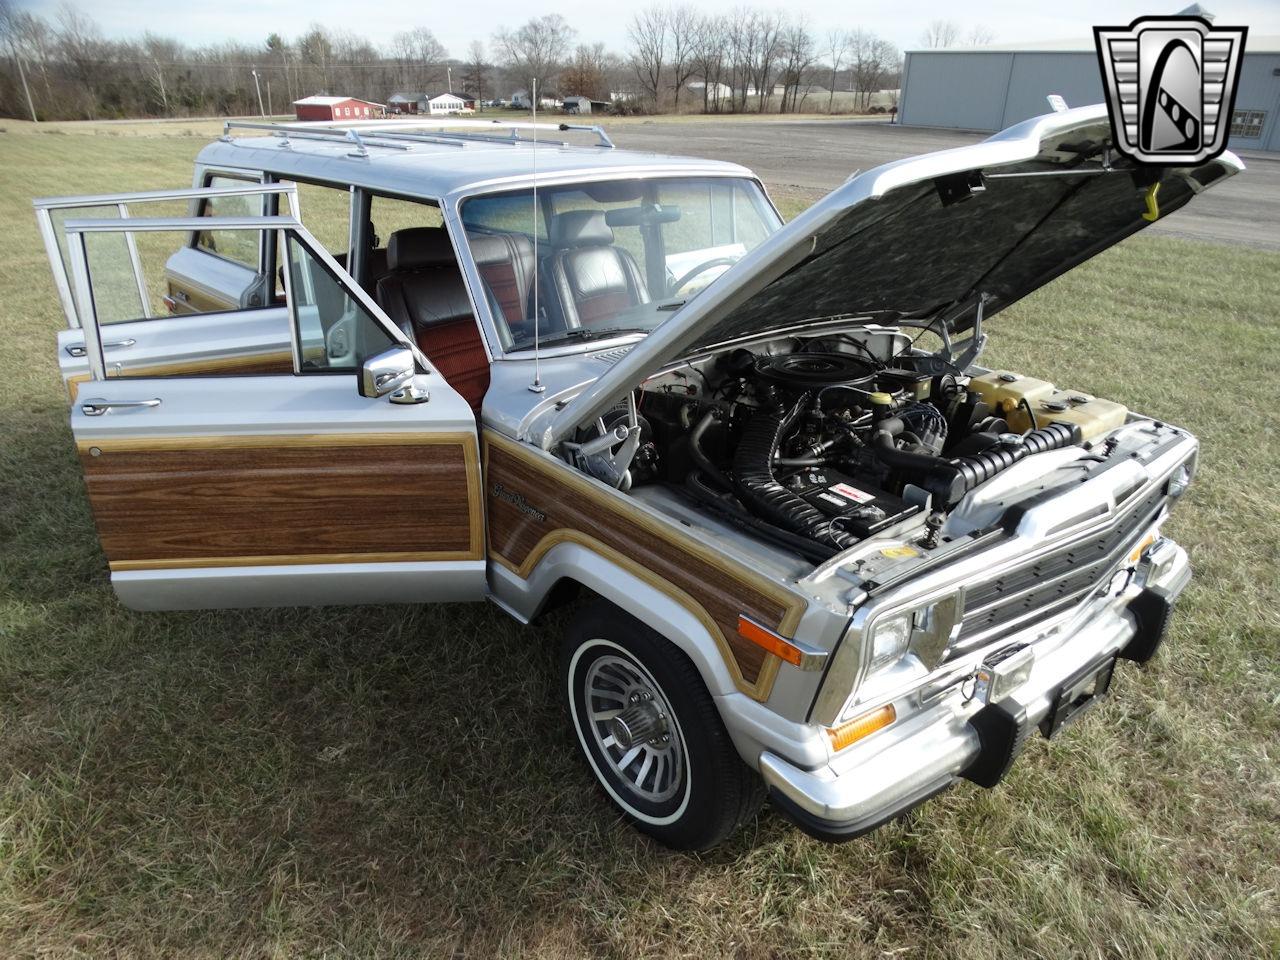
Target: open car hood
x=922, y=238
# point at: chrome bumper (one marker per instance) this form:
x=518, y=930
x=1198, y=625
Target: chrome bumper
x=926, y=752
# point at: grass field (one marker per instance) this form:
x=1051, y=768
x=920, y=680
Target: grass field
x=399, y=781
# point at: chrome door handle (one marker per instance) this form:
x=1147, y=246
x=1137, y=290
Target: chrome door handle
x=78, y=350
x=96, y=406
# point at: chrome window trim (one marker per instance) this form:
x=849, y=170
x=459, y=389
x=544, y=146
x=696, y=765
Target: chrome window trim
x=44, y=206
x=77, y=230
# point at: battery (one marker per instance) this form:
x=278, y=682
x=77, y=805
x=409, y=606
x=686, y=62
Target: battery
x=855, y=507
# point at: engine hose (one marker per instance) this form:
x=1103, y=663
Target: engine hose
x=755, y=485
x=699, y=456
x=981, y=467
x=732, y=511
x=950, y=480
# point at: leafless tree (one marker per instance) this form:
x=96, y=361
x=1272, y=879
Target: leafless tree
x=710, y=47
x=648, y=34
x=161, y=53
x=764, y=46
x=836, y=49
x=476, y=72
x=797, y=56
x=535, y=51
x=80, y=46
x=421, y=57
x=872, y=61
x=941, y=33
x=981, y=36
x=683, y=21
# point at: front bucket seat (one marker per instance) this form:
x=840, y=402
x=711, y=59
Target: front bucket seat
x=593, y=278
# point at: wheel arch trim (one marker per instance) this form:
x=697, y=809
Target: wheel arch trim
x=655, y=602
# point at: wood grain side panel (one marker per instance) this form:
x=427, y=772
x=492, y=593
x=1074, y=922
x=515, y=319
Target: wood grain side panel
x=534, y=504
x=278, y=361
x=190, y=299
x=275, y=362
x=226, y=505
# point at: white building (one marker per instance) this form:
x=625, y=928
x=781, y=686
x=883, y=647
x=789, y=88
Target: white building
x=520, y=100
x=446, y=104
x=715, y=90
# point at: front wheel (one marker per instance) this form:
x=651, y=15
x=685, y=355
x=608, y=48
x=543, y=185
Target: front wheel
x=651, y=734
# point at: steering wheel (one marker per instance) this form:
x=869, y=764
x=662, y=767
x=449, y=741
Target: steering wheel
x=703, y=267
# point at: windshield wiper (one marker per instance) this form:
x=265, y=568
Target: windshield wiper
x=582, y=333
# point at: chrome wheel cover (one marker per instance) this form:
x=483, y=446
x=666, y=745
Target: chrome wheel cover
x=652, y=771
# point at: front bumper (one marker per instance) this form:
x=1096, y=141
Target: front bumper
x=923, y=754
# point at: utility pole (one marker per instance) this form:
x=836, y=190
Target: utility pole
x=261, y=111
x=449, y=73
x=23, y=74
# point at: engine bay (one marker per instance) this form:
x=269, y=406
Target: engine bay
x=816, y=444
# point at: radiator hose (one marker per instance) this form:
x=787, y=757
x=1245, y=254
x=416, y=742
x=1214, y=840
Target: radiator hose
x=754, y=483
x=950, y=480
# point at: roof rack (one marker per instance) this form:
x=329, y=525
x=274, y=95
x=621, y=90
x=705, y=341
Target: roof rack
x=364, y=133
x=286, y=133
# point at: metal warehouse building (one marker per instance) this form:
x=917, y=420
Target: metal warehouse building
x=990, y=88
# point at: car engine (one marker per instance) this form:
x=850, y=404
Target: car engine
x=818, y=444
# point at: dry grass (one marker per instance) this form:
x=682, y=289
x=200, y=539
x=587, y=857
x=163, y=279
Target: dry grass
x=398, y=782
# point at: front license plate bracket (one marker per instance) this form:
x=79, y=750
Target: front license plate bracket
x=1078, y=695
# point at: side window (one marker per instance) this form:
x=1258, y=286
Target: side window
x=389, y=215
x=326, y=212
x=158, y=335
x=238, y=246
x=335, y=332
x=504, y=213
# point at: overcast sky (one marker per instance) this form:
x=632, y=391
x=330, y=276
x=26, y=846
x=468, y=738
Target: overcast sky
x=457, y=24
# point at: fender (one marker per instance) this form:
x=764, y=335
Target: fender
x=661, y=606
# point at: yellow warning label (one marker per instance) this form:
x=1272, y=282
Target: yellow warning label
x=900, y=552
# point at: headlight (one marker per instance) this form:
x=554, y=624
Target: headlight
x=1180, y=480
x=884, y=651
x=925, y=631
x=889, y=640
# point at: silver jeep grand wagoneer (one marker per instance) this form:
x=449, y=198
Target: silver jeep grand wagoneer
x=830, y=558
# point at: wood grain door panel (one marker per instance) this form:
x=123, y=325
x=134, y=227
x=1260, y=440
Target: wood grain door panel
x=284, y=499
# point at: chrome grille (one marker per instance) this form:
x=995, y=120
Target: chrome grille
x=1052, y=583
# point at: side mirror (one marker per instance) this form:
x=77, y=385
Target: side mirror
x=386, y=372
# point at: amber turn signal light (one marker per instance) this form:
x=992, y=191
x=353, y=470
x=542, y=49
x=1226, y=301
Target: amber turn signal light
x=794, y=652
x=778, y=646
x=1147, y=541
x=850, y=733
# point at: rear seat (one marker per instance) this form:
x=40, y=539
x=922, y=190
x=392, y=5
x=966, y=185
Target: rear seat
x=424, y=293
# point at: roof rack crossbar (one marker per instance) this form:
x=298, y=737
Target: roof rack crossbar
x=415, y=138
x=285, y=133
x=439, y=130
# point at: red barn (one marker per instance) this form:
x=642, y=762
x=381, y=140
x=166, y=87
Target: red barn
x=336, y=108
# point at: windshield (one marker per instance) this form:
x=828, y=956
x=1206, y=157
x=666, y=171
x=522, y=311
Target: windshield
x=611, y=257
